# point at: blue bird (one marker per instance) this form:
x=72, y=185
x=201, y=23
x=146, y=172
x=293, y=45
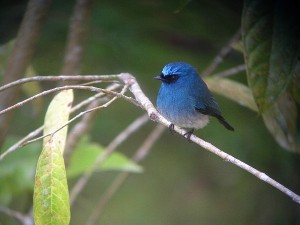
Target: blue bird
x=185, y=100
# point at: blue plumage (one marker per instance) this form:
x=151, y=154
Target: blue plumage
x=184, y=98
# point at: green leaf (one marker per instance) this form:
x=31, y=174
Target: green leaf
x=58, y=115
x=233, y=90
x=51, y=196
x=86, y=153
x=280, y=120
x=271, y=38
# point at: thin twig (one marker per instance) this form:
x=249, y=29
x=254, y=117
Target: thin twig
x=76, y=117
x=155, y=116
x=140, y=154
x=21, y=142
x=108, y=78
x=24, y=219
x=81, y=128
x=19, y=104
x=40, y=129
x=231, y=71
x=220, y=56
x=82, y=181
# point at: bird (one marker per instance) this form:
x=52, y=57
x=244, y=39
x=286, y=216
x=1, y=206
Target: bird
x=185, y=100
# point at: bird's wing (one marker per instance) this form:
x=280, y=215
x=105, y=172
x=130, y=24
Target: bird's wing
x=208, y=106
x=211, y=108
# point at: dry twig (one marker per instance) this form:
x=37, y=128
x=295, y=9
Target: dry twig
x=36, y=132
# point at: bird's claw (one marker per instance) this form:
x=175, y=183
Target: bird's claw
x=188, y=134
x=171, y=128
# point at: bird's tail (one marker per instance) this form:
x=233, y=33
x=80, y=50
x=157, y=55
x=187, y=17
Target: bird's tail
x=225, y=123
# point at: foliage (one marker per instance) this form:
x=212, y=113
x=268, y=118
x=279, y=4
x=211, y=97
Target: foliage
x=85, y=154
x=271, y=38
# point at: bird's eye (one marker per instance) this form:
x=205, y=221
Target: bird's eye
x=171, y=78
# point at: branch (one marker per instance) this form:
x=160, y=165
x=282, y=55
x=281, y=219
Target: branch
x=223, y=52
x=36, y=132
x=140, y=154
x=82, y=181
x=76, y=117
x=21, y=55
x=106, y=78
x=155, y=116
x=24, y=219
x=231, y=71
x=90, y=88
x=77, y=35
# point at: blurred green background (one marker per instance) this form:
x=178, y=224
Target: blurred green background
x=181, y=183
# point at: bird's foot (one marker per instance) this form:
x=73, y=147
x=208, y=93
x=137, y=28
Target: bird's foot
x=188, y=134
x=171, y=128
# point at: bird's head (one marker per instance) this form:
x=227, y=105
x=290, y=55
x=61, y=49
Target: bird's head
x=175, y=71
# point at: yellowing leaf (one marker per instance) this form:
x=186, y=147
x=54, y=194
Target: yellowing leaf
x=233, y=90
x=51, y=196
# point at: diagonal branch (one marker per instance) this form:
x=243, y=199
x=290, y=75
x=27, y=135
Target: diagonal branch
x=155, y=116
x=24, y=219
x=223, y=52
x=36, y=132
x=76, y=117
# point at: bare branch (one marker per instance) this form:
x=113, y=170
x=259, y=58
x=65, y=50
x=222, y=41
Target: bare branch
x=133, y=127
x=77, y=35
x=24, y=219
x=231, y=71
x=140, y=154
x=21, y=56
x=40, y=129
x=108, y=78
x=76, y=117
x=90, y=88
x=142, y=101
x=21, y=142
x=155, y=116
x=223, y=52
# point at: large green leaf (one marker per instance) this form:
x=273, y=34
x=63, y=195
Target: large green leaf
x=85, y=154
x=51, y=195
x=280, y=120
x=271, y=39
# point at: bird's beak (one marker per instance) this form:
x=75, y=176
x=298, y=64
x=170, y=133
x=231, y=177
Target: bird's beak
x=157, y=78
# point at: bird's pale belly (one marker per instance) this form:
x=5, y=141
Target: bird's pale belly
x=184, y=118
